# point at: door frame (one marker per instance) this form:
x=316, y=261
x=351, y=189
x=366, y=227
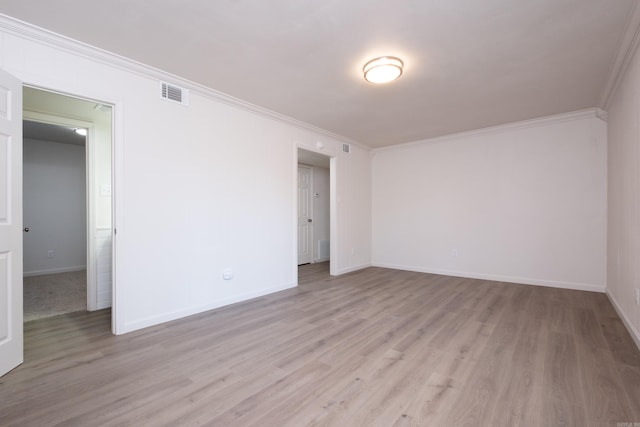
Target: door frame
x=116, y=178
x=333, y=211
x=90, y=215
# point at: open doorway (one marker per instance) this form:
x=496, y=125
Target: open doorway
x=54, y=216
x=314, y=209
x=67, y=204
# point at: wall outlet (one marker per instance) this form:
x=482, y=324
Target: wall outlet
x=454, y=252
x=227, y=275
x=49, y=253
x=637, y=296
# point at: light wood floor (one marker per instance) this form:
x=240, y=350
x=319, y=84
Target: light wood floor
x=375, y=347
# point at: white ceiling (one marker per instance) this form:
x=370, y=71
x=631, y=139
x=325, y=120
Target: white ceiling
x=469, y=64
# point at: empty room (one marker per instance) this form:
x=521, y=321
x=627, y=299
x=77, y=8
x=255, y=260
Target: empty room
x=327, y=213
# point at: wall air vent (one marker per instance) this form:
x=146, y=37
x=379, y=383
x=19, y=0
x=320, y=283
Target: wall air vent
x=174, y=93
x=346, y=148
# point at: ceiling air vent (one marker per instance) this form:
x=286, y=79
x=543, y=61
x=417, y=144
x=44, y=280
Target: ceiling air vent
x=174, y=93
x=346, y=148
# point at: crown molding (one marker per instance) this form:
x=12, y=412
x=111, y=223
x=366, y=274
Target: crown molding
x=524, y=124
x=45, y=37
x=602, y=115
x=626, y=49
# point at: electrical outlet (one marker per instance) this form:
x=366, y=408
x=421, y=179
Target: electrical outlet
x=637, y=296
x=454, y=252
x=49, y=253
x=227, y=274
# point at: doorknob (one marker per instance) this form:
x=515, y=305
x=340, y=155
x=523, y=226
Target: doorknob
x=26, y=229
x=309, y=220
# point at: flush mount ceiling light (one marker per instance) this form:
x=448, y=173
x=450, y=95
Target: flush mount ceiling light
x=383, y=70
x=81, y=131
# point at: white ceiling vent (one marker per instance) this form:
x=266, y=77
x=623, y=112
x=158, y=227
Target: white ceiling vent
x=346, y=148
x=174, y=93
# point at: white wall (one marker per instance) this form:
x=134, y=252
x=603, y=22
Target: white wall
x=321, y=223
x=54, y=207
x=624, y=197
x=198, y=189
x=520, y=203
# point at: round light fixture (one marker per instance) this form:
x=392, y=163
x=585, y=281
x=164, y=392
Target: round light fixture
x=382, y=70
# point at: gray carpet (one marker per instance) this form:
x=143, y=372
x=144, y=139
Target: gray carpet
x=53, y=294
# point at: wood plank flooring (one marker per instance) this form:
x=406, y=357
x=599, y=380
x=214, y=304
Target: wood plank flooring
x=376, y=347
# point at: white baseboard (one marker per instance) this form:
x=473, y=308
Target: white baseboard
x=498, y=278
x=635, y=334
x=54, y=271
x=178, y=314
x=103, y=304
x=350, y=269
x=321, y=260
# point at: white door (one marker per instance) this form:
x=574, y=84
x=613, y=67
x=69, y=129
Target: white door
x=10, y=222
x=304, y=215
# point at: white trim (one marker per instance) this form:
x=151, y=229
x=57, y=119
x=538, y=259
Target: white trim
x=351, y=269
x=295, y=215
x=524, y=124
x=333, y=216
x=54, y=271
x=635, y=334
x=498, y=278
x=626, y=49
x=104, y=303
x=198, y=309
x=53, y=119
x=602, y=115
x=31, y=32
x=117, y=206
